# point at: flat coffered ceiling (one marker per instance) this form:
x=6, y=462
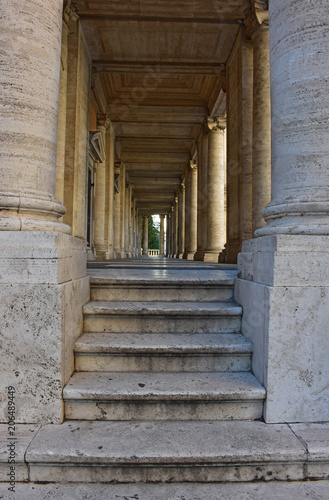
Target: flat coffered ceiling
x=159, y=65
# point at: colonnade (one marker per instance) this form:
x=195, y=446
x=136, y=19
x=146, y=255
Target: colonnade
x=283, y=280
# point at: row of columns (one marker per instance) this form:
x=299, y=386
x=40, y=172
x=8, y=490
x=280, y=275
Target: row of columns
x=28, y=197
x=206, y=231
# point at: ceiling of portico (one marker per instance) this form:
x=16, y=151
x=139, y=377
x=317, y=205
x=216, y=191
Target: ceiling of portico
x=159, y=67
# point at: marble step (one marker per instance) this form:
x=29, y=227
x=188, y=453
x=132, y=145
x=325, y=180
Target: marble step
x=162, y=352
x=206, y=451
x=165, y=317
x=163, y=396
x=162, y=290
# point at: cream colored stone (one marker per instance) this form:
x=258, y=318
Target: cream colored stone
x=299, y=75
x=145, y=236
x=283, y=289
x=42, y=295
x=29, y=125
x=261, y=153
x=77, y=140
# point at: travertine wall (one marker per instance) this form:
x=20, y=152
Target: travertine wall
x=77, y=127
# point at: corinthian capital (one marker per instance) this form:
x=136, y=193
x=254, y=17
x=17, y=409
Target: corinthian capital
x=70, y=16
x=193, y=164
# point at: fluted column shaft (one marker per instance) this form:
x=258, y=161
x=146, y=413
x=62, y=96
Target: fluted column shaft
x=29, y=111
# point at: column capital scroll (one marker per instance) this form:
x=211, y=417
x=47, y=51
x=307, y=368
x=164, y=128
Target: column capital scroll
x=70, y=16
x=103, y=121
x=216, y=123
x=193, y=164
x=257, y=18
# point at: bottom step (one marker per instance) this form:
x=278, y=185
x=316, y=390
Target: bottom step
x=237, y=491
x=80, y=451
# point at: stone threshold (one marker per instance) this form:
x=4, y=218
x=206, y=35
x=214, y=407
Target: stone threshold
x=282, y=490
x=84, y=451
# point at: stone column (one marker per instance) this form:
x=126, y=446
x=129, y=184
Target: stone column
x=110, y=171
x=175, y=228
x=139, y=238
x=145, y=236
x=123, y=209
x=192, y=209
x=29, y=111
x=202, y=195
x=168, y=242
x=181, y=222
x=43, y=267
x=100, y=193
x=258, y=31
x=283, y=282
x=216, y=224
x=117, y=211
x=162, y=252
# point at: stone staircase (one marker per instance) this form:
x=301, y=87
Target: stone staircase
x=163, y=393
x=163, y=350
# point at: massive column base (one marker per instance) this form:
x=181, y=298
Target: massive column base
x=190, y=255
x=110, y=254
x=283, y=287
x=43, y=289
x=211, y=256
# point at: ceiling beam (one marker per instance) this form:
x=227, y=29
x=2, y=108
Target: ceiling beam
x=159, y=67
x=104, y=17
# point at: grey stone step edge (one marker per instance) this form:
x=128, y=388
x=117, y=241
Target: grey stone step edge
x=178, y=309
x=235, y=451
x=175, y=344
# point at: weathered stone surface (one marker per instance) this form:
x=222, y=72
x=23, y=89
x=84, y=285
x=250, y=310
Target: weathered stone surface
x=14, y=441
x=43, y=290
x=315, y=438
x=285, y=298
x=220, y=491
x=163, y=396
x=29, y=107
x=158, y=451
x=162, y=352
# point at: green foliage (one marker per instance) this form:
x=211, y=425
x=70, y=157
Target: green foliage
x=154, y=234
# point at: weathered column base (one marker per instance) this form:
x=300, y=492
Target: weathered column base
x=180, y=255
x=119, y=254
x=199, y=255
x=190, y=255
x=283, y=287
x=211, y=256
x=43, y=289
x=100, y=253
x=110, y=254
